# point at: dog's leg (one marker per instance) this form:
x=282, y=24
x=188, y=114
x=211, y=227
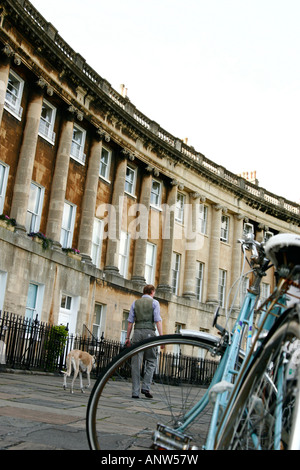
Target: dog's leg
x=88, y=378
x=68, y=372
x=76, y=369
x=65, y=380
x=81, y=384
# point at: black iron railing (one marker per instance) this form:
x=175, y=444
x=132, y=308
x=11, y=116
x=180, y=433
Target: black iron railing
x=34, y=345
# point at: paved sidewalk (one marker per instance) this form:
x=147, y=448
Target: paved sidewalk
x=36, y=413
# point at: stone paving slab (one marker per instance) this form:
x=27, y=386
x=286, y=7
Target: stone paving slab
x=36, y=413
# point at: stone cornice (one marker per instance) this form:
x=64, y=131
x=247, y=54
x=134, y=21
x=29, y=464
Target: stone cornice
x=121, y=113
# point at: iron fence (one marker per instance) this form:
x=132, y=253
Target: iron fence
x=34, y=345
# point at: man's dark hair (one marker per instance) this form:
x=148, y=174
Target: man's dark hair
x=148, y=289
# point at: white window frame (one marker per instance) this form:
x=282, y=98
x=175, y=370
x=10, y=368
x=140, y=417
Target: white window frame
x=12, y=102
x=46, y=129
x=155, y=197
x=203, y=211
x=267, y=235
x=150, y=264
x=224, y=236
x=248, y=229
x=199, y=280
x=176, y=262
x=104, y=169
x=265, y=291
x=97, y=240
x=99, y=320
x=124, y=253
x=33, y=216
x=31, y=312
x=222, y=287
x=3, y=281
x=124, y=326
x=3, y=184
x=77, y=147
x=67, y=229
x=130, y=180
x=179, y=212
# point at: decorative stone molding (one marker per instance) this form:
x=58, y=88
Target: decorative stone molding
x=198, y=196
x=76, y=112
x=128, y=154
x=43, y=84
x=9, y=52
x=102, y=135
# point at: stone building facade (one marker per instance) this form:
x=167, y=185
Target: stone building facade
x=80, y=164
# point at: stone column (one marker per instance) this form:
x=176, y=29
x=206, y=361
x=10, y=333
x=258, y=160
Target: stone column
x=89, y=199
x=59, y=182
x=26, y=160
x=168, y=240
x=237, y=254
x=214, y=255
x=142, y=237
x=115, y=219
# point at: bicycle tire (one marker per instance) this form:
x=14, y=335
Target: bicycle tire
x=250, y=423
x=114, y=420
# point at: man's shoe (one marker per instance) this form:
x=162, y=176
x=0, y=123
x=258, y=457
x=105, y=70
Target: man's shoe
x=134, y=396
x=147, y=393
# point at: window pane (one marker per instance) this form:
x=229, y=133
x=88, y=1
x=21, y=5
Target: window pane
x=97, y=242
x=105, y=163
x=34, y=208
x=129, y=180
x=155, y=193
x=31, y=301
x=67, y=225
x=13, y=94
x=179, y=207
x=13, y=89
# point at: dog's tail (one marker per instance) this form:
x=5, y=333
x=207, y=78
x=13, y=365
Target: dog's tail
x=69, y=367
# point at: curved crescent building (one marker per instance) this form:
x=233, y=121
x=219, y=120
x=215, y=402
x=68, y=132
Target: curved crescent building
x=97, y=199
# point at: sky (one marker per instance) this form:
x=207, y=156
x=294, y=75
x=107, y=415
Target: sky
x=223, y=73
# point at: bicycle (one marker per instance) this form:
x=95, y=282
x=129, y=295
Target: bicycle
x=182, y=409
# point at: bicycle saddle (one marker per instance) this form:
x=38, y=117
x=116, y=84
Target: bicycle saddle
x=283, y=250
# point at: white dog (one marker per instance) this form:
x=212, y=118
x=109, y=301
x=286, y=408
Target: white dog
x=81, y=362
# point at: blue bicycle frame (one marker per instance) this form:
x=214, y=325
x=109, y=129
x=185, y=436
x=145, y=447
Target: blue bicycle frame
x=227, y=369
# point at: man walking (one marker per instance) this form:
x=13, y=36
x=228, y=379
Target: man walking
x=144, y=314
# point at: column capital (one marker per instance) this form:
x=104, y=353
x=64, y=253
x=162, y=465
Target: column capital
x=42, y=83
x=128, y=154
x=102, y=135
x=240, y=216
x=197, y=195
x=75, y=112
x=220, y=207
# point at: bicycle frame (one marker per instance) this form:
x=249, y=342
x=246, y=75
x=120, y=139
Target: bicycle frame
x=276, y=306
x=227, y=372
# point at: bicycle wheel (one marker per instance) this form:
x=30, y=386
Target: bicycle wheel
x=264, y=413
x=184, y=370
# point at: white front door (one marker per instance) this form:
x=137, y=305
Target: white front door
x=68, y=312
